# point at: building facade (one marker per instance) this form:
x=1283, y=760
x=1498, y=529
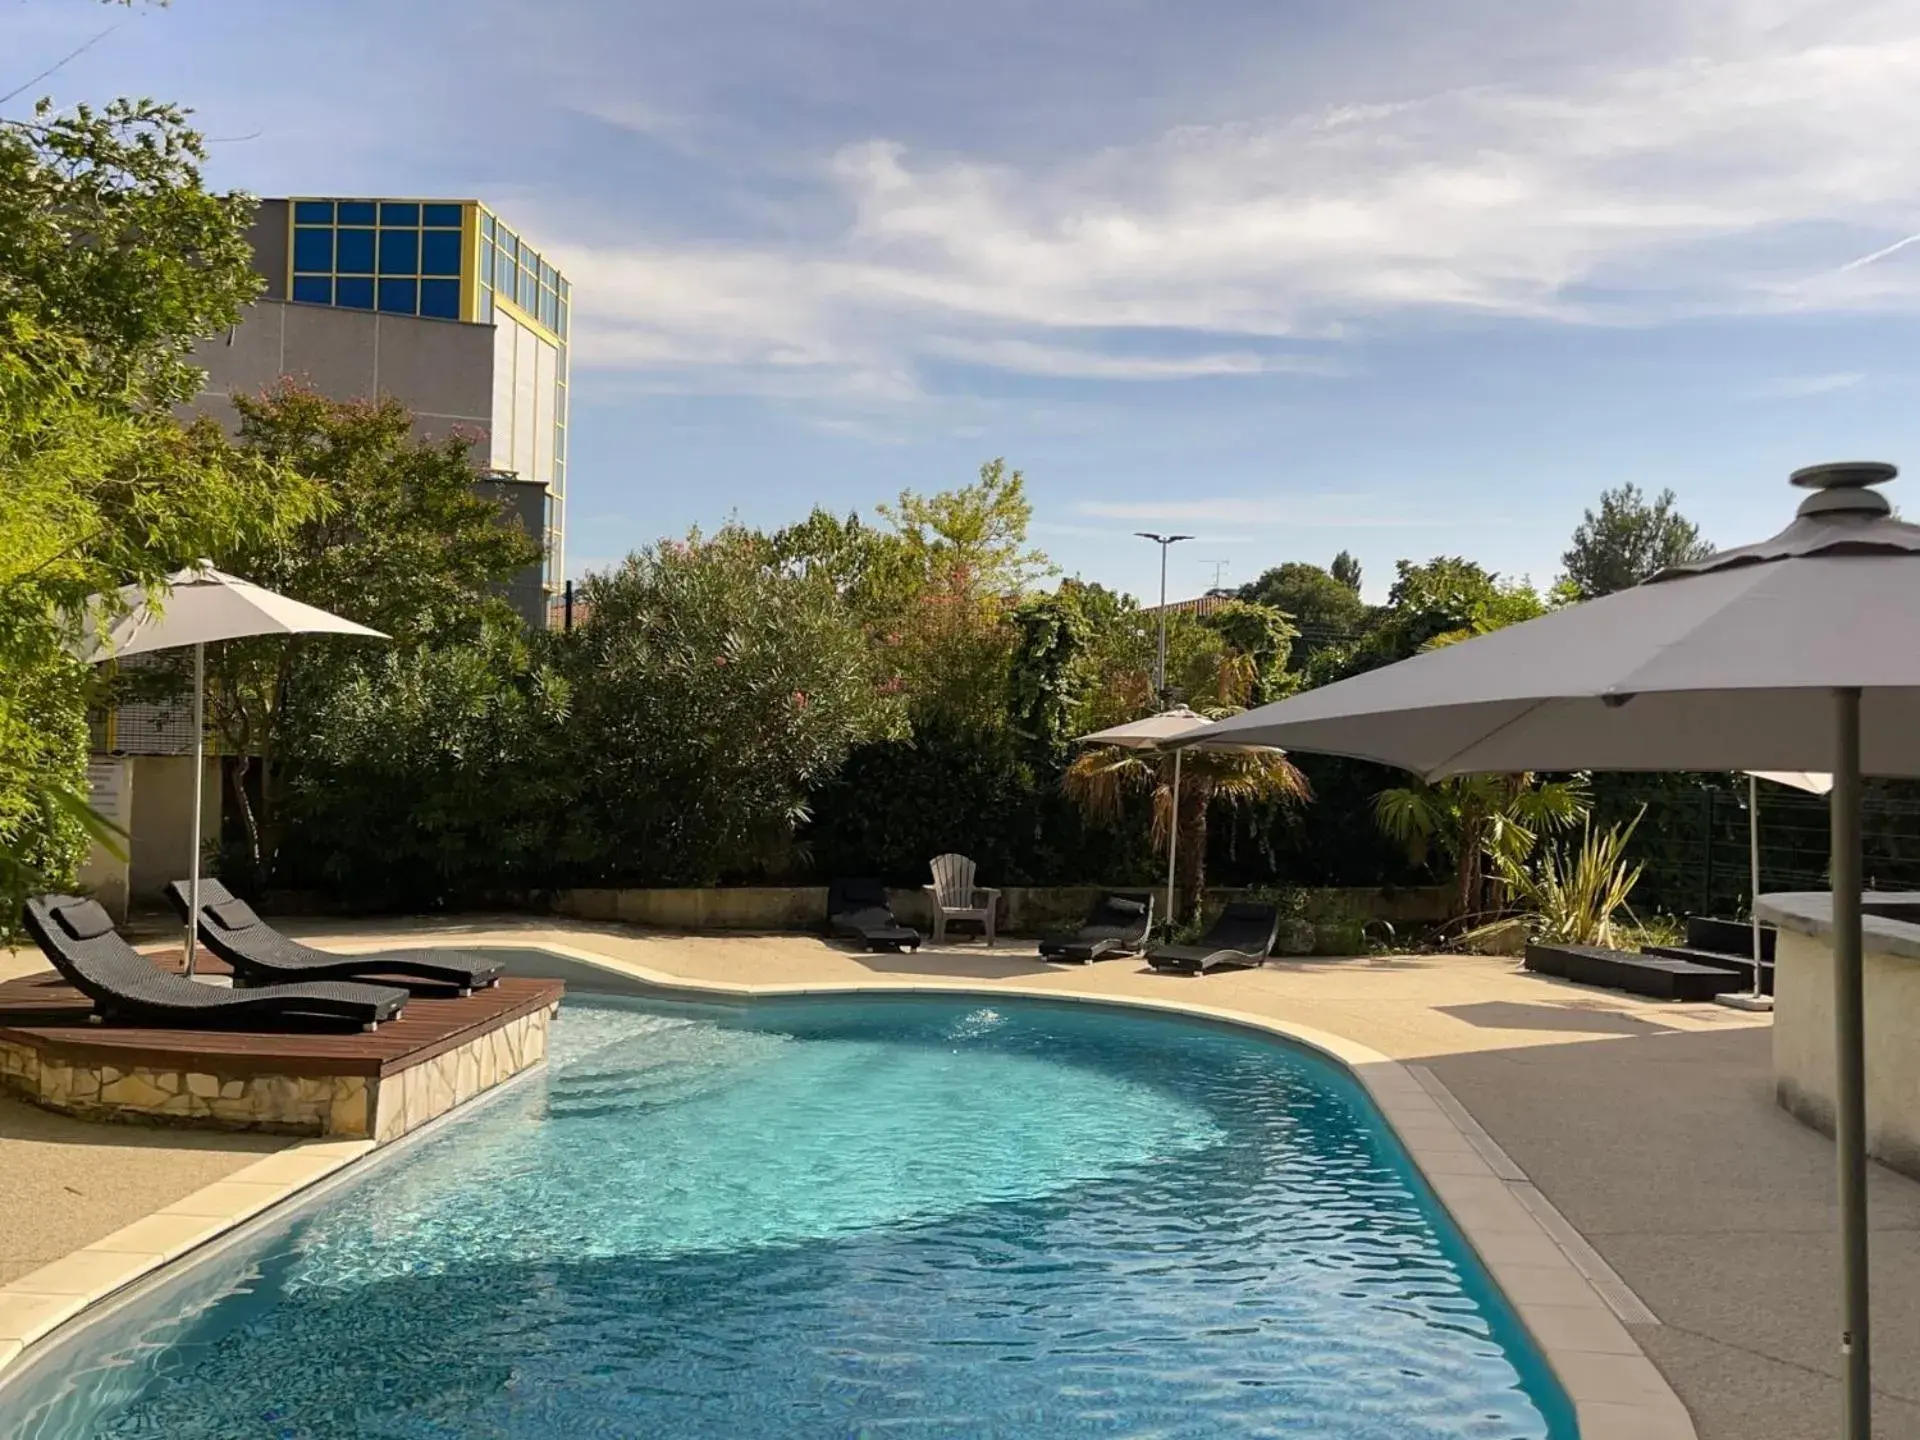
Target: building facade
x=438, y=303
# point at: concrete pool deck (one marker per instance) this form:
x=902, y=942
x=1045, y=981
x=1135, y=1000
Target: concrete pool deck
x=1649, y=1126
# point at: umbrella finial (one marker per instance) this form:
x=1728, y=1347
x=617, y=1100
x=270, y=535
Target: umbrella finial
x=1843, y=487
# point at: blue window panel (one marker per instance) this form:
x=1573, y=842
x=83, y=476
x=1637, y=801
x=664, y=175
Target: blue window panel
x=549, y=277
x=313, y=249
x=486, y=224
x=440, y=252
x=400, y=297
x=354, y=294
x=508, y=242
x=399, y=253
x=529, y=292
x=393, y=212
x=313, y=289
x=485, y=306
x=503, y=272
x=440, y=298
x=354, y=252
x=356, y=212
x=561, y=328
x=549, y=309
x=313, y=212
x=440, y=215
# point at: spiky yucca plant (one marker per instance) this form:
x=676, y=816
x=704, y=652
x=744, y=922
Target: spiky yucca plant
x=1579, y=897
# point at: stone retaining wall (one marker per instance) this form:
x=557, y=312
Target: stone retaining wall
x=348, y=1106
x=1024, y=909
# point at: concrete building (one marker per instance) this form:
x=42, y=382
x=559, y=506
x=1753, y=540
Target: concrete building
x=437, y=303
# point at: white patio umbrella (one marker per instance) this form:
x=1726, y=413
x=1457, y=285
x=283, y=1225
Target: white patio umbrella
x=1795, y=653
x=1811, y=781
x=202, y=604
x=1156, y=732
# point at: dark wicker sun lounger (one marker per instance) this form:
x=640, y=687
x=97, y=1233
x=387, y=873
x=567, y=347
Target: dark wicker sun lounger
x=260, y=954
x=1116, y=926
x=1242, y=937
x=858, y=910
x=78, y=936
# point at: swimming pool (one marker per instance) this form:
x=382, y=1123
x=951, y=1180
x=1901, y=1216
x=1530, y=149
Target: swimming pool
x=834, y=1218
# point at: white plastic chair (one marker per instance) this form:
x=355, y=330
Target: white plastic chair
x=956, y=897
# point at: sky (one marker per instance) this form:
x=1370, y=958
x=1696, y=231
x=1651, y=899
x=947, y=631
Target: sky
x=1376, y=275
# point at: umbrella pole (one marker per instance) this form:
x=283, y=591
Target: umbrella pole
x=1173, y=844
x=1849, y=1120
x=199, y=775
x=1753, y=866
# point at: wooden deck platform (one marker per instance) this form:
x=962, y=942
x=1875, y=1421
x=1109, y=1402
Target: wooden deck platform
x=43, y=1010
x=439, y=1052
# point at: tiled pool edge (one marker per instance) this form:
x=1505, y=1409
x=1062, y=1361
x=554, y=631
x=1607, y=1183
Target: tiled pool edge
x=1616, y=1391
x=42, y=1300
x=79, y=1287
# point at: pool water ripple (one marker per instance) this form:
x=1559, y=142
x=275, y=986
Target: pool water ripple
x=863, y=1219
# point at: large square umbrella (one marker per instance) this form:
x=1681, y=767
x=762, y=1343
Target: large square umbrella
x=201, y=605
x=1800, y=653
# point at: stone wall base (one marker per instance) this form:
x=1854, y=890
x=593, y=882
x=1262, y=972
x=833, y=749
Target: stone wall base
x=348, y=1106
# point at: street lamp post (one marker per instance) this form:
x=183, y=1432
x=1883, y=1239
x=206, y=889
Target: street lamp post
x=1160, y=665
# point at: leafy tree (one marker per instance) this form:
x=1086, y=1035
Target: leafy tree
x=114, y=262
x=874, y=571
x=1628, y=540
x=1346, y=569
x=1482, y=825
x=1259, y=640
x=109, y=236
x=1445, y=600
x=1049, y=674
x=975, y=536
x=712, y=690
x=400, y=541
x=432, y=777
x=1324, y=609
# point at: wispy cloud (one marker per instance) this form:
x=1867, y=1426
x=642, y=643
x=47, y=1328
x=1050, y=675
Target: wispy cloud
x=1611, y=188
x=1799, y=387
x=1027, y=357
x=1318, y=512
x=1878, y=255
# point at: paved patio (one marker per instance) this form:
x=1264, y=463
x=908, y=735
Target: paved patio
x=1650, y=1126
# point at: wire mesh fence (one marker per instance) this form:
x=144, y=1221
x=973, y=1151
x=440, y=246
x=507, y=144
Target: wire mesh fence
x=1694, y=839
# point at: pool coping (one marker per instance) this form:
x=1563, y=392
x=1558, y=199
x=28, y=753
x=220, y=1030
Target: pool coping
x=1535, y=1257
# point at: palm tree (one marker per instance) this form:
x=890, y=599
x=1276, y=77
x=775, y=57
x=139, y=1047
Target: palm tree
x=1100, y=781
x=1483, y=824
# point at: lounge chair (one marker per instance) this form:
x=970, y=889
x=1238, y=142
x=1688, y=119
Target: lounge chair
x=1242, y=937
x=78, y=936
x=1117, y=925
x=260, y=954
x=858, y=910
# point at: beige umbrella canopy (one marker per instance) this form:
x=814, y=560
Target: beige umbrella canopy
x=201, y=605
x=1158, y=732
x=1795, y=654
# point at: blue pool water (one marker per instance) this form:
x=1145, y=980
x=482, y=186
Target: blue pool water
x=862, y=1219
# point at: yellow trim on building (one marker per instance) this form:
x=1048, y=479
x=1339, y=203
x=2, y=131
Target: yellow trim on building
x=500, y=302
x=469, y=262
